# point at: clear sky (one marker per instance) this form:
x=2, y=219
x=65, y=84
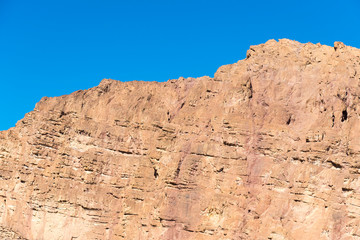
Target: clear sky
x=51, y=48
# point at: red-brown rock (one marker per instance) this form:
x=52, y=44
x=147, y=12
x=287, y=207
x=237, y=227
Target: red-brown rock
x=267, y=149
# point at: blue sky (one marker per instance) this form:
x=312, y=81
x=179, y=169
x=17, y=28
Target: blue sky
x=51, y=48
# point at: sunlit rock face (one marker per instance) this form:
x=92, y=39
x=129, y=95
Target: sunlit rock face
x=267, y=149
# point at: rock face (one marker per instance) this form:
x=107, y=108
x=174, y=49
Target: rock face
x=267, y=149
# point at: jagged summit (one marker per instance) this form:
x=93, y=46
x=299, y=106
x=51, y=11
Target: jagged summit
x=267, y=149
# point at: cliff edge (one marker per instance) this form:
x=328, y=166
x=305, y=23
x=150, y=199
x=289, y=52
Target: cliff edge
x=267, y=149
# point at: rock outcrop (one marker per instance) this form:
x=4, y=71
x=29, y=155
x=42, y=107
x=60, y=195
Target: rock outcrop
x=267, y=149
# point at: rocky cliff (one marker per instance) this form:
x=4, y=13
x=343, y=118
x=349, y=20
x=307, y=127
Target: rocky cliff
x=267, y=149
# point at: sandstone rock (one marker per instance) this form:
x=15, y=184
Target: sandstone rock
x=6, y=234
x=267, y=149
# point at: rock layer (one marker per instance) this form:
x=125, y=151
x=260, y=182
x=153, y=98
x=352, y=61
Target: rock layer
x=267, y=149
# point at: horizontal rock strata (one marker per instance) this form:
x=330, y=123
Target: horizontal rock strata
x=267, y=149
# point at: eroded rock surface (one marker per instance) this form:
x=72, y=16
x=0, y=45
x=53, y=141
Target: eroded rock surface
x=267, y=149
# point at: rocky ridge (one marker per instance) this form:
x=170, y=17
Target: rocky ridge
x=267, y=149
